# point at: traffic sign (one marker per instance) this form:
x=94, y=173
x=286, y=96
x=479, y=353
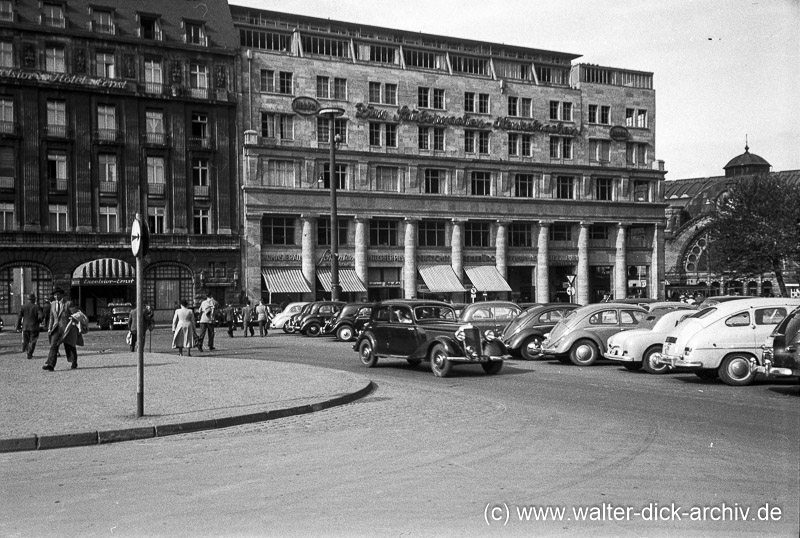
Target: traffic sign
x=571, y=290
x=571, y=279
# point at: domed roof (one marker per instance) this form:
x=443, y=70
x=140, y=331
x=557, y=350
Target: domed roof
x=748, y=160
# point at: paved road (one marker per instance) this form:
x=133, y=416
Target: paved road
x=431, y=457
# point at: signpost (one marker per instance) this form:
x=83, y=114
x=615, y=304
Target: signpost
x=571, y=288
x=140, y=244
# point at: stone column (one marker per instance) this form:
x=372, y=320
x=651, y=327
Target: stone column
x=457, y=248
x=657, y=268
x=361, y=250
x=308, y=250
x=582, y=278
x=620, y=265
x=410, y=259
x=251, y=256
x=542, y=264
x=501, y=252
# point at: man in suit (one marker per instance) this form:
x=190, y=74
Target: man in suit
x=207, y=316
x=57, y=324
x=28, y=324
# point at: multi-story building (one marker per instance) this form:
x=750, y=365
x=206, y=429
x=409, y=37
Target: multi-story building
x=112, y=108
x=459, y=165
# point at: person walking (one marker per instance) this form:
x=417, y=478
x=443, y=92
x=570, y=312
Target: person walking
x=262, y=314
x=230, y=318
x=56, y=323
x=207, y=314
x=133, y=328
x=183, y=328
x=28, y=323
x=247, y=318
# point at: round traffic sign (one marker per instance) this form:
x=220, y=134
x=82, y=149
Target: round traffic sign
x=571, y=290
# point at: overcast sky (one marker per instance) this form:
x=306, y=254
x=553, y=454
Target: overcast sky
x=722, y=69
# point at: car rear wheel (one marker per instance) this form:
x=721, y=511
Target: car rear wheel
x=584, y=353
x=493, y=367
x=367, y=354
x=632, y=366
x=288, y=329
x=649, y=362
x=531, y=347
x=735, y=370
x=706, y=374
x=440, y=366
x=344, y=333
x=313, y=329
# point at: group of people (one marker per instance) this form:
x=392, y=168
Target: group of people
x=184, y=323
x=65, y=325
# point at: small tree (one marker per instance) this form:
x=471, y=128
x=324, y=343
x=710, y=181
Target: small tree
x=754, y=228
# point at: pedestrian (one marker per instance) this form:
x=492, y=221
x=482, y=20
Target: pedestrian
x=230, y=318
x=29, y=323
x=66, y=326
x=262, y=314
x=149, y=317
x=207, y=315
x=183, y=328
x=133, y=332
x=247, y=317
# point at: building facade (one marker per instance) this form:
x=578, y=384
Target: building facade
x=460, y=166
x=110, y=109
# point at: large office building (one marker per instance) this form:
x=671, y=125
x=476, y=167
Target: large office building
x=460, y=167
x=109, y=109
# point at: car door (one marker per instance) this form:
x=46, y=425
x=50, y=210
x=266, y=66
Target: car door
x=766, y=319
x=603, y=324
x=380, y=329
x=401, y=331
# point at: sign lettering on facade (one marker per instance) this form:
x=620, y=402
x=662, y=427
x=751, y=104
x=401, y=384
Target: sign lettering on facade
x=61, y=78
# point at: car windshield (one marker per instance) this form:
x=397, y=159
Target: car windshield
x=570, y=319
x=704, y=312
x=434, y=312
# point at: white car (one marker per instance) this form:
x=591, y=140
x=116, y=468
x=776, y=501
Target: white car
x=723, y=340
x=636, y=348
x=283, y=316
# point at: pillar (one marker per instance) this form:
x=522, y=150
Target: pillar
x=361, y=250
x=620, y=265
x=410, y=259
x=457, y=248
x=657, y=268
x=582, y=278
x=542, y=264
x=308, y=249
x=501, y=251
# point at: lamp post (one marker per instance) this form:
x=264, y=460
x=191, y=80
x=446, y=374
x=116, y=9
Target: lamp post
x=332, y=113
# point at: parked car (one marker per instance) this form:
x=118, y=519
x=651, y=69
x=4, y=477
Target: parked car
x=417, y=330
x=311, y=322
x=523, y=335
x=636, y=348
x=349, y=321
x=581, y=337
x=781, y=357
x=490, y=315
x=293, y=323
x=716, y=299
x=279, y=320
x=114, y=316
x=723, y=339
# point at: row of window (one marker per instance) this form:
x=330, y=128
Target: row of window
x=384, y=93
x=280, y=231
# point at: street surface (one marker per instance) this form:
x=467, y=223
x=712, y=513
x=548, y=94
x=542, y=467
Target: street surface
x=621, y=453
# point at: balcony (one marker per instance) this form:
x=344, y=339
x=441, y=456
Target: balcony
x=108, y=187
x=156, y=189
x=201, y=142
x=7, y=183
x=69, y=240
x=58, y=184
x=201, y=192
x=156, y=139
x=8, y=128
x=57, y=131
x=153, y=88
x=6, y=16
x=198, y=93
x=54, y=22
x=104, y=28
x=109, y=136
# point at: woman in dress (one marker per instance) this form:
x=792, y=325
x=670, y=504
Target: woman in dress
x=183, y=328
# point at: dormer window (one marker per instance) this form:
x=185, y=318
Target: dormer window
x=103, y=22
x=195, y=34
x=53, y=15
x=6, y=10
x=150, y=28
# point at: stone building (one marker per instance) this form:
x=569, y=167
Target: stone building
x=460, y=165
x=689, y=270
x=112, y=108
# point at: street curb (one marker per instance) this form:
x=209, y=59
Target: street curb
x=68, y=440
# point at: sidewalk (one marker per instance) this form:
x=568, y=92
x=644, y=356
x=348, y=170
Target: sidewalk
x=97, y=402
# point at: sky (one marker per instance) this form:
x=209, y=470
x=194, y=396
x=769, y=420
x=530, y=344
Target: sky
x=724, y=71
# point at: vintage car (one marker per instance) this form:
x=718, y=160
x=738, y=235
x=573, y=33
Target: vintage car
x=636, y=348
x=310, y=322
x=490, y=315
x=349, y=321
x=581, y=337
x=417, y=330
x=781, y=357
x=723, y=339
x=523, y=335
x=279, y=320
x=115, y=316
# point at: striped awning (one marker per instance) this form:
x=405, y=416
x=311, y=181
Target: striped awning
x=348, y=280
x=285, y=281
x=487, y=278
x=104, y=271
x=440, y=279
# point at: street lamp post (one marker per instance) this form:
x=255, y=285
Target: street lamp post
x=332, y=113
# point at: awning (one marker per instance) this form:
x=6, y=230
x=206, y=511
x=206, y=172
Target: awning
x=487, y=278
x=105, y=271
x=440, y=279
x=285, y=281
x=348, y=280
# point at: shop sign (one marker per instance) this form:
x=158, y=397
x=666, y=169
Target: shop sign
x=619, y=133
x=389, y=284
x=637, y=283
x=344, y=259
x=103, y=281
x=62, y=78
x=305, y=106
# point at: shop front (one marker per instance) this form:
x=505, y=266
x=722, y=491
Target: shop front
x=97, y=283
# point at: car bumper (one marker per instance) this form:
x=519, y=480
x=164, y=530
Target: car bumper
x=771, y=370
x=477, y=360
x=675, y=362
x=611, y=355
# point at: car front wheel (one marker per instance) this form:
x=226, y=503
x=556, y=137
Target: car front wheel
x=531, y=348
x=649, y=362
x=344, y=333
x=367, y=354
x=492, y=367
x=313, y=329
x=735, y=371
x=440, y=365
x=584, y=353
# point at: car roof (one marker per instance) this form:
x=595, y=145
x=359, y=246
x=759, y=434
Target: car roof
x=729, y=307
x=492, y=303
x=413, y=302
x=551, y=306
x=602, y=306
